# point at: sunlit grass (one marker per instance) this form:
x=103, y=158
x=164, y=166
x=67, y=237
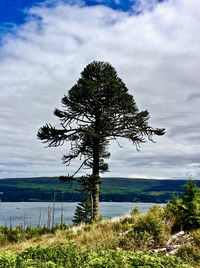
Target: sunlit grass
x=100, y=234
x=43, y=240
x=97, y=235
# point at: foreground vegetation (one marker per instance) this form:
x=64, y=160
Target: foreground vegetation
x=68, y=255
x=137, y=240
x=119, y=243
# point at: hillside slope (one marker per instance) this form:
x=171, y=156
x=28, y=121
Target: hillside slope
x=112, y=189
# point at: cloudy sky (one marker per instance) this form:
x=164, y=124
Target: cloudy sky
x=155, y=48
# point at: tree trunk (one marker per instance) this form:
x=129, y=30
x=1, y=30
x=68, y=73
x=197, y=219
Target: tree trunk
x=91, y=202
x=95, y=173
x=96, y=201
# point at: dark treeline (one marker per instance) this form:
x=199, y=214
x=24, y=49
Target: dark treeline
x=113, y=189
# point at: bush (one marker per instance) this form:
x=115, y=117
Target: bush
x=144, y=231
x=196, y=237
x=158, y=210
x=127, y=220
x=19, y=234
x=14, y=235
x=153, y=224
x=70, y=256
x=3, y=238
x=135, y=211
x=8, y=260
x=117, y=226
x=135, y=241
x=10, y=234
x=189, y=253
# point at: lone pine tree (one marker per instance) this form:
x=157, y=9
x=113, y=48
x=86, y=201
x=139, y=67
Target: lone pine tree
x=96, y=110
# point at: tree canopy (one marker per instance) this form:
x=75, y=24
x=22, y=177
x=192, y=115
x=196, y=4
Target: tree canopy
x=186, y=208
x=96, y=110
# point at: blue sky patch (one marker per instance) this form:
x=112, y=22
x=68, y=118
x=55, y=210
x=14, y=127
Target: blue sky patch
x=12, y=12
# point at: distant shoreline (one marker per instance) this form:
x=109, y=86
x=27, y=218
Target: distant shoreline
x=41, y=189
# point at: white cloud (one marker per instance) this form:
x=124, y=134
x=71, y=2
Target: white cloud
x=155, y=53
x=142, y=6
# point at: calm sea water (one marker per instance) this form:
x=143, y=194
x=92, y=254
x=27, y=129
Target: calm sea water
x=28, y=213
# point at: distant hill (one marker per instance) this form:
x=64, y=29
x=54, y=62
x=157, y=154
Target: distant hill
x=112, y=189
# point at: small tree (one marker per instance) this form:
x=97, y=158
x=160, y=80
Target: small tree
x=83, y=212
x=186, y=208
x=135, y=211
x=191, y=200
x=87, y=184
x=96, y=110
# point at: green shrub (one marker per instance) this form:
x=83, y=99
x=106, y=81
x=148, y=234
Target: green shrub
x=196, y=237
x=153, y=224
x=14, y=235
x=3, y=238
x=186, y=208
x=70, y=256
x=189, y=253
x=129, y=220
x=141, y=259
x=135, y=211
x=135, y=241
x=18, y=233
x=143, y=231
x=8, y=260
x=158, y=210
x=117, y=227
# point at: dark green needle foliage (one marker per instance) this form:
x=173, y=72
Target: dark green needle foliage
x=191, y=201
x=186, y=208
x=83, y=212
x=96, y=110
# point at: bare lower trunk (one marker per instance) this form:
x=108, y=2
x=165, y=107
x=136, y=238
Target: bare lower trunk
x=91, y=202
x=95, y=191
x=96, y=201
